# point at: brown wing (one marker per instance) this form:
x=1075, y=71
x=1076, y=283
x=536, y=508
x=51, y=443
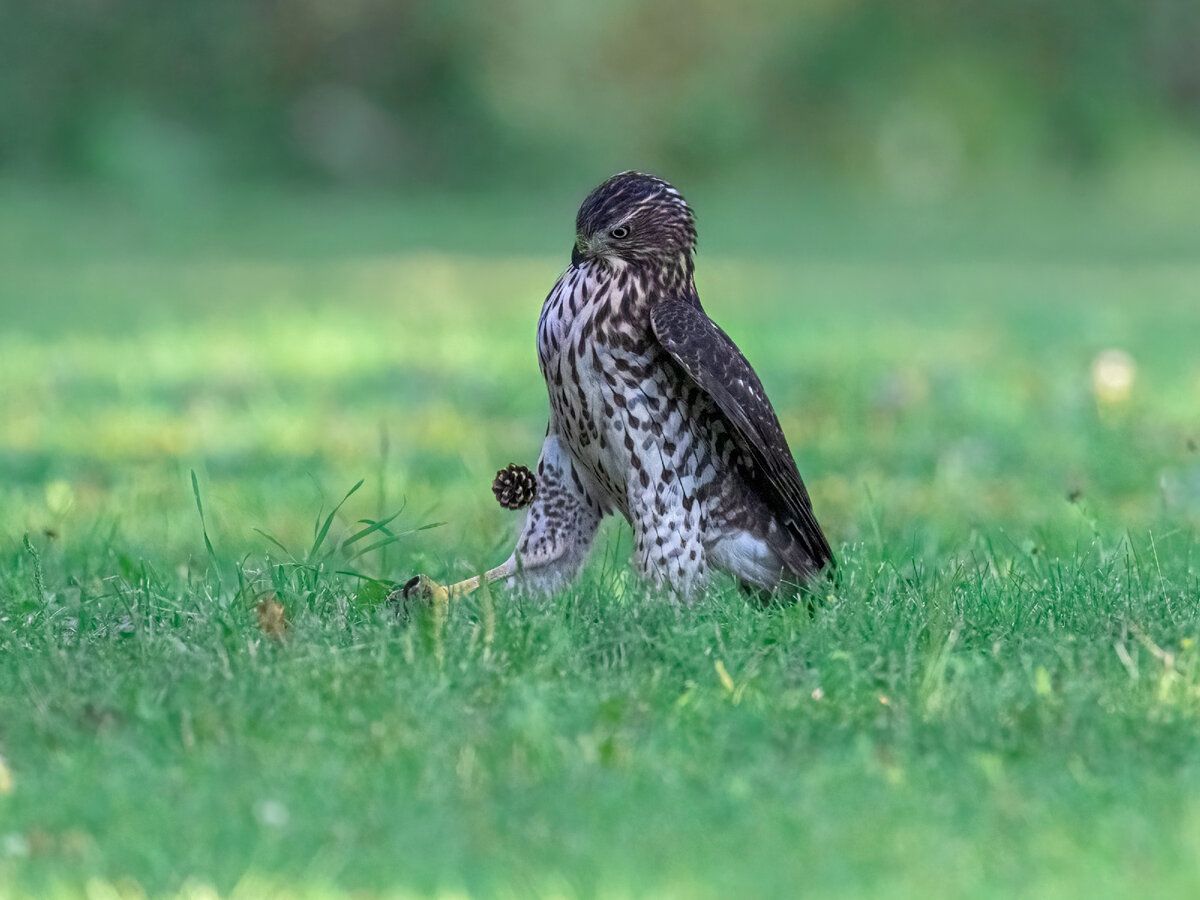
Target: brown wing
x=717, y=366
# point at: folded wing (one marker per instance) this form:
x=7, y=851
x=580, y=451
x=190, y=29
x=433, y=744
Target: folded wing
x=718, y=368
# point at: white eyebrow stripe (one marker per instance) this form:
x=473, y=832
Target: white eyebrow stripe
x=632, y=213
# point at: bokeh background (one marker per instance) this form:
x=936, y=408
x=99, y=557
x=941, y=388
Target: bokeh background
x=917, y=99
x=283, y=248
x=294, y=244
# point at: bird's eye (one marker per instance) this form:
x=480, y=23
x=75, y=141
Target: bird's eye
x=620, y=232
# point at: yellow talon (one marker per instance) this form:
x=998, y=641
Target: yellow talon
x=425, y=589
x=422, y=587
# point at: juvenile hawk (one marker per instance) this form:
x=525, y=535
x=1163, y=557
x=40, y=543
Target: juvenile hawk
x=655, y=414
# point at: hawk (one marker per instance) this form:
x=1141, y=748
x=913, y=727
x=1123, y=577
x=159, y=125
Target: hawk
x=654, y=414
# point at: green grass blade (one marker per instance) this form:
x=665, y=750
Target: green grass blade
x=324, y=530
x=208, y=544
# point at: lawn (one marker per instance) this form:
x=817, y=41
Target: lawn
x=1000, y=694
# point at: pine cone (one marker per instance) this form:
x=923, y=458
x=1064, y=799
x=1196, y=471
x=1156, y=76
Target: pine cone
x=515, y=487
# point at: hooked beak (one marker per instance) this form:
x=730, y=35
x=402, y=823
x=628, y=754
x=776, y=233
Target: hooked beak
x=579, y=252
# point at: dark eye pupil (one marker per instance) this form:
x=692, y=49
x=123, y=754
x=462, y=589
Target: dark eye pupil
x=620, y=232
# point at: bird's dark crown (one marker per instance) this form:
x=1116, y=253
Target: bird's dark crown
x=637, y=218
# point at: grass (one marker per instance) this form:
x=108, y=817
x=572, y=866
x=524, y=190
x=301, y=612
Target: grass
x=1000, y=695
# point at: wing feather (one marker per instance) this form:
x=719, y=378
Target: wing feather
x=713, y=361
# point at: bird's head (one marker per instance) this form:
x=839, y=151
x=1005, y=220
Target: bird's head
x=636, y=218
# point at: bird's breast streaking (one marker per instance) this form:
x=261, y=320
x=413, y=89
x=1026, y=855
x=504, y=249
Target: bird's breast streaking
x=649, y=444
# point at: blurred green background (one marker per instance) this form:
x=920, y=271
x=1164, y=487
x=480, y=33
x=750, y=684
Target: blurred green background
x=305, y=242
x=916, y=98
x=292, y=245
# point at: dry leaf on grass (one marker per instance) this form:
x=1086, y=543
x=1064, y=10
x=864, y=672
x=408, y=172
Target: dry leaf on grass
x=272, y=618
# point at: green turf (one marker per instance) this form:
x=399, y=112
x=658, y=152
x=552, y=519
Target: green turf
x=1000, y=695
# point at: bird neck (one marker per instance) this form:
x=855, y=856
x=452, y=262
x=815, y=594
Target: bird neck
x=672, y=276
x=660, y=279
x=626, y=290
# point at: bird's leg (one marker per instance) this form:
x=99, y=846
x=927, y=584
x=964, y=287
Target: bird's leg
x=515, y=488
x=558, y=530
x=422, y=587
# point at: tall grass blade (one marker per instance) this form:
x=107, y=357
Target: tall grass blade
x=324, y=530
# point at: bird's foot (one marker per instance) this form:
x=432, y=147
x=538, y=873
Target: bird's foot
x=420, y=589
x=423, y=590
